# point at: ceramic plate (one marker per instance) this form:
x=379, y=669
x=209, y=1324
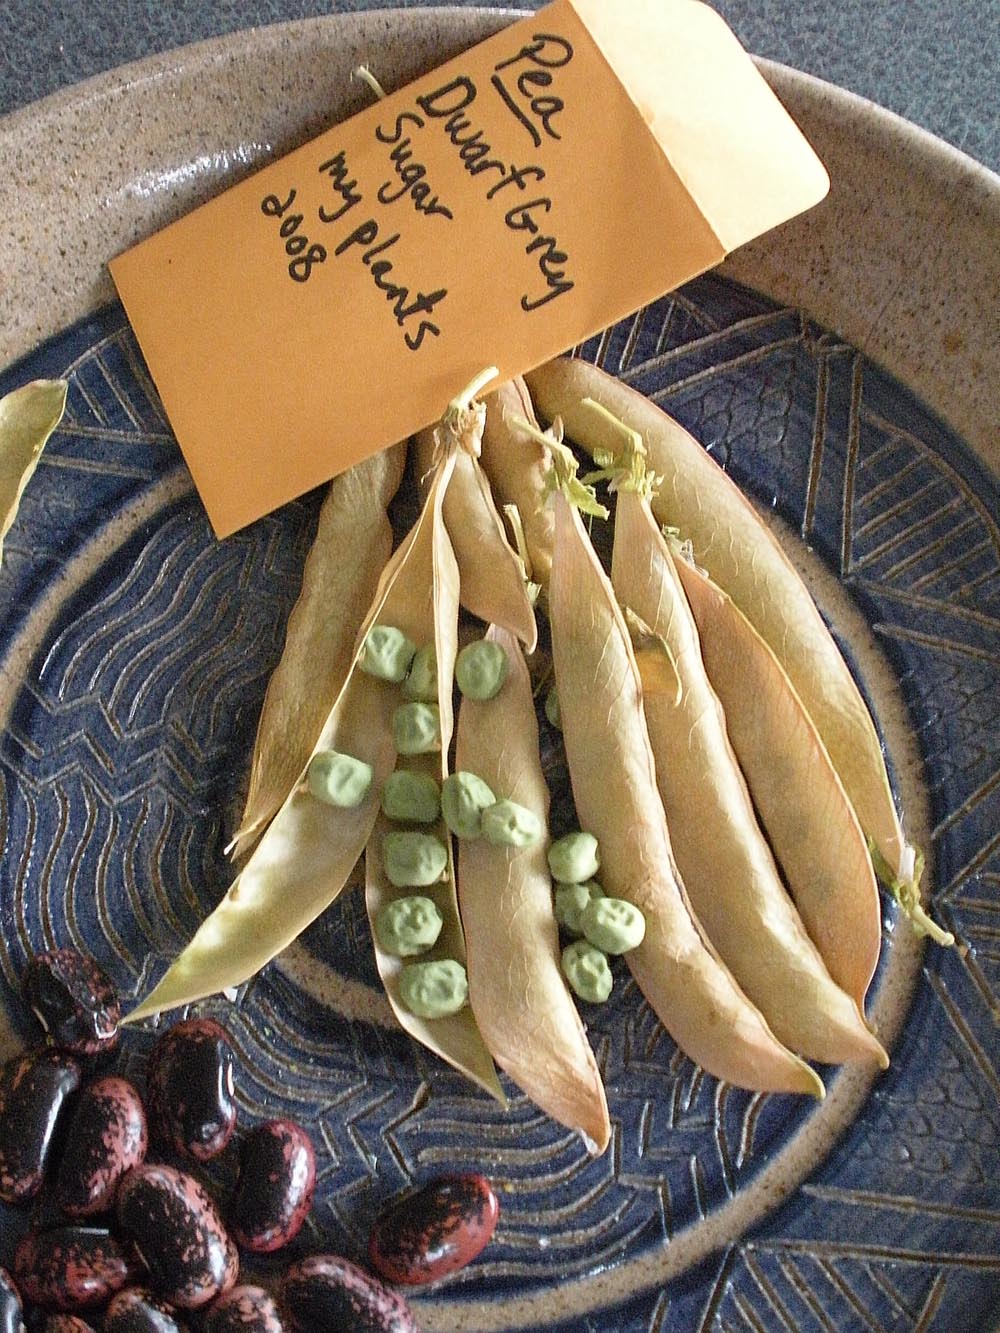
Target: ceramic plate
x=837, y=371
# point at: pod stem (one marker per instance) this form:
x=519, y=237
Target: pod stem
x=563, y=476
x=624, y=470
x=363, y=73
x=462, y=423
x=906, y=892
x=513, y=516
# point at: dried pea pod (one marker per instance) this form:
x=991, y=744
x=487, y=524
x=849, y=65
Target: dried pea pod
x=352, y=544
x=727, y=866
x=746, y=560
x=613, y=776
x=524, y=1010
x=492, y=577
x=28, y=416
x=455, y=1038
x=516, y=463
x=799, y=798
x=307, y=852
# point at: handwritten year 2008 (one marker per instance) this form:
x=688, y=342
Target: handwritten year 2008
x=303, y=254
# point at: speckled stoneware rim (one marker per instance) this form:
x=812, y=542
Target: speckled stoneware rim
x=901, y=259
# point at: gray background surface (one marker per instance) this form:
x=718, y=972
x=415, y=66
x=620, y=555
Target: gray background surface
x=936, y=62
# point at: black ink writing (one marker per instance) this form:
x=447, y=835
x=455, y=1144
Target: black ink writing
x=373, y=249
x=346, y=190
x=530, y=69
x=411, y=174
x=522, y=217
x=303, y=254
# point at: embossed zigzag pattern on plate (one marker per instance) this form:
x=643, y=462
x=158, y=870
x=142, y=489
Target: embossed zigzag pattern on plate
x=135, y=651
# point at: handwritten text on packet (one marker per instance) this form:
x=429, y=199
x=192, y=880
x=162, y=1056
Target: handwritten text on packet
x=521, y=82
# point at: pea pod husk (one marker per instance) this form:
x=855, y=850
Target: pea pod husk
x=727, y=865
x=491, y=575
x=613, y=776
x=28, y=416
x=744, y=558
x=307, y=853
x=516, y=463
x=339, y=579
x=524, y=1010
x=798, y=796
x=454, y=1038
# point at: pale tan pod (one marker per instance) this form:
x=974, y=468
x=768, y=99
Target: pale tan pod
x=516, y=464
x=614, y=786
x=455, y=1038
x=727, y=866
x=492, y=584
x=739, y=552
x=523, y=1007
x=352, y=544
x=799, y=798
x=305, y=856
x=28, y=416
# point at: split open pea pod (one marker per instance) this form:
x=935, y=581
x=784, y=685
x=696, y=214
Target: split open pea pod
x=517, y=992
x=306, y=854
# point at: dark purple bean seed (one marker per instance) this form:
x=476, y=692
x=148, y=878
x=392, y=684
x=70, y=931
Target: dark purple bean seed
x=244, y=1310
x=33, y=1091
x=11, y=1314
x=275, y=1187
x=66, y=1323
x=175, y=1227
x=137, y=1310
x=107, y=1137
x=437, y=1230
x=327, y=1292
x=190, y=1086
x=70, y=1268
x=74, y=1001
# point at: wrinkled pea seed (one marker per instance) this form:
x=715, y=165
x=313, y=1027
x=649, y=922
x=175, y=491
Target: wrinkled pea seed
x=464, y=797
x=552, y=710
x=434, y=990
x=422, y=681
x=408, y=926
x=412, y=797
x=574, y=858
x=387, y=653
x=413, y=860
x=587, y=971
x=508, y=824
x=339, y=779
x=481, y=669
x=613, y=925
x=572, y=900
x=416, y=728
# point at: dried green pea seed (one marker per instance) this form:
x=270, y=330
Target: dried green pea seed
x=339, y=779
x=413, y=860
x=435, y=989
x=481, y=669
x=408, y=926
x=387, y=653
x=422, y=681
x=552, y=710
x=464, y=797
x=613, y=925
x=507, y=824
x=574, y=858
x=411, y=797
x=416, y=728
x=571, y=900
x=587, y=971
